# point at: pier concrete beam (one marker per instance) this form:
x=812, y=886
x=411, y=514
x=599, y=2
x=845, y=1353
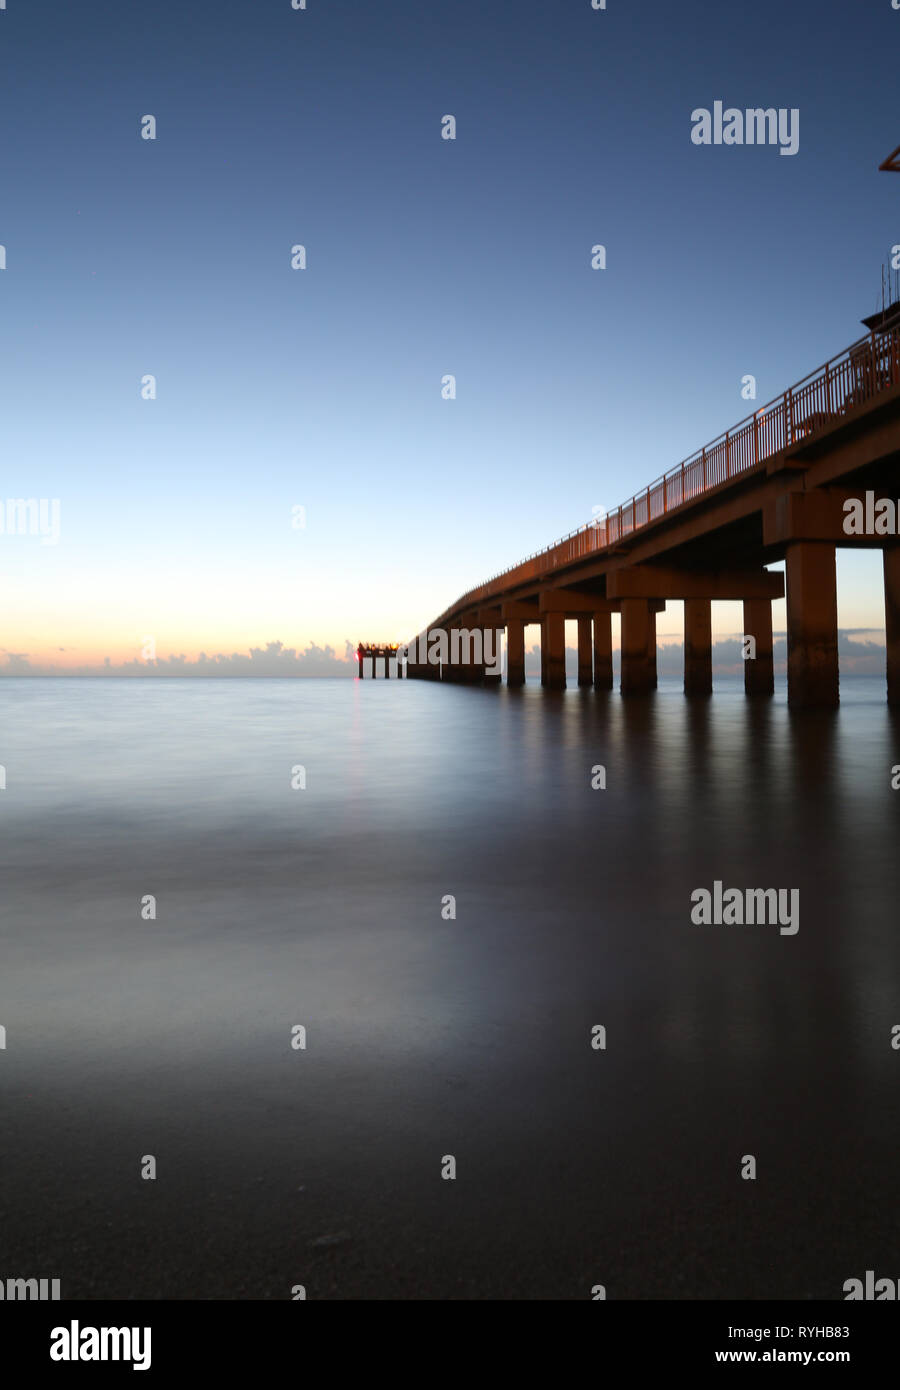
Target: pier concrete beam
x=520, y=608
x=665, y=582
x=813, y=680
x=759, y=671
x=818, y=515
x=697, y=646
x=571, y=603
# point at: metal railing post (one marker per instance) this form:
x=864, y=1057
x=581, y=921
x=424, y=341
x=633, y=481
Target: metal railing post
x=873, y=379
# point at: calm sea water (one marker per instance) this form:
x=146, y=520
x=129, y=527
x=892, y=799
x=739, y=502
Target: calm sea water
x=429, y=1037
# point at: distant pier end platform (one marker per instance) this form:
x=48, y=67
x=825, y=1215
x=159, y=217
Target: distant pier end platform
x=389, y=650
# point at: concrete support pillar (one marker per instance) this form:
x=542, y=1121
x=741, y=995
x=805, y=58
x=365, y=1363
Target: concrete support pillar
x=387, y=666
x=651, y=647
x=463, y=665
x=459, y=667
x=416, y=668
x=374, y=668
x=359, y=657
x=494, y=636
x=553, y=650
x=759, y=671
x=603, y=670
x=812, y=625
x=449, y=669
x=638, y=646
x=515, y=652
x=891, y=560
x=432, y=670
x=462, y=668
x=429, y=670
x=697, y=646
x=585, y=656
x=475, y=670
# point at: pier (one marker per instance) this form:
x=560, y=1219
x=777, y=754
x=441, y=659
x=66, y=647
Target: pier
x=776, y=487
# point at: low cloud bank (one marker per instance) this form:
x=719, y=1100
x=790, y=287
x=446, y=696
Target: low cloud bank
x=275, y=659
x=858, y=654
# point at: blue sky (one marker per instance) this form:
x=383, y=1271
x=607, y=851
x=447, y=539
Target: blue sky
x=321, y=388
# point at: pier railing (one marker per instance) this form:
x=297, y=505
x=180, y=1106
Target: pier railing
x=862, y=371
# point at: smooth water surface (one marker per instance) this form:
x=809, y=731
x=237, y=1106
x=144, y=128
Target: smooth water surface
x=429, y=1037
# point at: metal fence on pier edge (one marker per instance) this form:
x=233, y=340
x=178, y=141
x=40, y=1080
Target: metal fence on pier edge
x=862, y=371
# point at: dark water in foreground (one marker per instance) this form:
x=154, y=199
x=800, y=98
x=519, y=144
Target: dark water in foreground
x=428, y=1037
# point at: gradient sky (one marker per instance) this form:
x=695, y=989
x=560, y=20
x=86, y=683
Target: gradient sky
x=322, y=388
